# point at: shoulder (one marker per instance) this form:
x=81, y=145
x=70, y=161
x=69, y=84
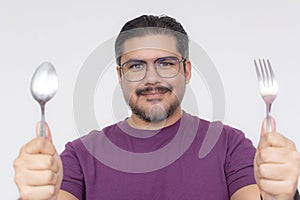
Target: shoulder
x=79, y=145
x=216, y=127
x=217, y=133
x=93, y=133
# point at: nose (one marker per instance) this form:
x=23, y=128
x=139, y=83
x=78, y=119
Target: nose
x=151, y=75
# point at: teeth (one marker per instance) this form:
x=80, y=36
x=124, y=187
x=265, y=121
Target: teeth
x=153, y=90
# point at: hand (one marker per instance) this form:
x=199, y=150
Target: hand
x=38, y=169
x=276, y=165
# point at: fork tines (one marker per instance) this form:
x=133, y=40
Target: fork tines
x=266, y=77
x=265, y=73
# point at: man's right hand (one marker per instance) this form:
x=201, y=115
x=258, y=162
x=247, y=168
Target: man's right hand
x=38, y=169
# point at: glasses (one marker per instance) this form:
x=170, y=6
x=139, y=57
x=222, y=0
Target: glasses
x=166, y=67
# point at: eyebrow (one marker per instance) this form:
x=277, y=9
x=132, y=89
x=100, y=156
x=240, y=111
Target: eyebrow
x=133, y=60
x=140, y=60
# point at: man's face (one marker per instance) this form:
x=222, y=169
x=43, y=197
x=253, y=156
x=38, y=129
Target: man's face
x=154, y=98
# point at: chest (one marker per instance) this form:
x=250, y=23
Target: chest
x=188, y=178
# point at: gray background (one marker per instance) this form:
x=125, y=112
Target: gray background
x=232, y=33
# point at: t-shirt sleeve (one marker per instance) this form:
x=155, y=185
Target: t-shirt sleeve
x=239, y=161
x=73, y=179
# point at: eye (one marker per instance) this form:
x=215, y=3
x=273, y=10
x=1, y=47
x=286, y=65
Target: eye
x=134, y=66
x=162, y=64
x=166, y=63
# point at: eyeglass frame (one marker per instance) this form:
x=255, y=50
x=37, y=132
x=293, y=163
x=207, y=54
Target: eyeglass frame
x=183, y=60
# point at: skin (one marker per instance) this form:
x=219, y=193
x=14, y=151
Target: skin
x=155, y=104
x=276, y=164
x=38, y=169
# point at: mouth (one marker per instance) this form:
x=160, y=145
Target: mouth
x=153, y=92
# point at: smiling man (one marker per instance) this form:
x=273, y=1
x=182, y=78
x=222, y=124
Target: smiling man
x=153, y=68
x=153, y=79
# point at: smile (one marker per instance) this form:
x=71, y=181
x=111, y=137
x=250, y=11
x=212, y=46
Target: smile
x=153, y=92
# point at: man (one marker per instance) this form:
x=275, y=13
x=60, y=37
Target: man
x=153, y=69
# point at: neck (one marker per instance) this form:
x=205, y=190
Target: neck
x=136, y=122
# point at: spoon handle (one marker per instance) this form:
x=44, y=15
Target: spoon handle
x=42, y=132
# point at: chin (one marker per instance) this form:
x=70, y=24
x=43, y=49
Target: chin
x=158, y=112
x=155, y=112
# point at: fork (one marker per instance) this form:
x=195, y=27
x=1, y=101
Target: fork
x=268, y=86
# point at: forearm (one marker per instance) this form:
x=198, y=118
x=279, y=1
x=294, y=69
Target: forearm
x=296, y=197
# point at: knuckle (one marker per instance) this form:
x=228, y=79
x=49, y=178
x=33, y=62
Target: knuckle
x=55, y=178
x=51, y=190
x=25, y=194
x=18, y=178
x=52, y=150
x=260, y=183
x=262, y=170
x=17, y=163
x=291, y=144
x=49, y=176
x=263, y=155
x=297, y=157
x=49, y=162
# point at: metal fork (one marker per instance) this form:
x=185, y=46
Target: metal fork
x=268, y=86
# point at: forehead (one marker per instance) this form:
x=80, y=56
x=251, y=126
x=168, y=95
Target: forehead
x=150, y=44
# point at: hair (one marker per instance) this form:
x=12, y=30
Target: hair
x=152, y=25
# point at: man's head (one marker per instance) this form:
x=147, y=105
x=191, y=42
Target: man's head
x=151, y=54
x=152, y=25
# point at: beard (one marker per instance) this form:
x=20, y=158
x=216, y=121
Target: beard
x=157, y=112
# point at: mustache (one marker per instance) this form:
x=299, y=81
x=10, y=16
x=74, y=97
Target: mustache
x=148, y=89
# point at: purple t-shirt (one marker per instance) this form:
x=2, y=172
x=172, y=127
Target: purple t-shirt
x=192, y=159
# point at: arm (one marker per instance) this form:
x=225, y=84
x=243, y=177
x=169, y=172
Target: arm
x=73, y=178
x=239, y=169
x=250, y=192
x=63, y=195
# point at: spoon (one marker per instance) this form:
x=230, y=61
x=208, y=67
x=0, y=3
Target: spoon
x=43, y=87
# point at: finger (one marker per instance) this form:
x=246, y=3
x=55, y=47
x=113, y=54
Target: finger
x=38, y=178
x=47, y=129
x=276, y=188
x=264, y=126
x=276, y=172
x=39, y=145
x=41, y=162
x=37, y=162
x=38, y=192
x=274, y=140
x=273, y=155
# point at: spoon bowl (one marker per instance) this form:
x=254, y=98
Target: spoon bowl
x=44, y=84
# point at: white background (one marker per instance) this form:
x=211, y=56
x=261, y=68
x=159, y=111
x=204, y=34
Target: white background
x=232, y=33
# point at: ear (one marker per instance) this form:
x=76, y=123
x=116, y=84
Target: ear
x=119, y=73
x=188, y=71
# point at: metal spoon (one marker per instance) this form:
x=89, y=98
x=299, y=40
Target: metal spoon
x=44, y=84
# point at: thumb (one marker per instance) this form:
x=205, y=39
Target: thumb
x=264, y=126
x=47, y=129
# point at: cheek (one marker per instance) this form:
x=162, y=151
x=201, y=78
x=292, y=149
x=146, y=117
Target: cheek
x=179, y=86
x=128, y=90
x=178, y=93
